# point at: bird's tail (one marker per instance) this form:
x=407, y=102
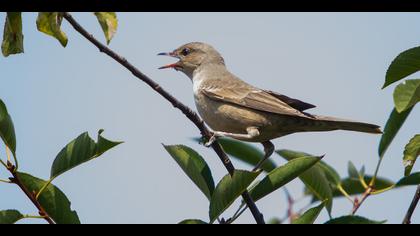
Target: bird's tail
x=340, y=124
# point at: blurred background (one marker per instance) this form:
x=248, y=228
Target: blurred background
x=336, y=61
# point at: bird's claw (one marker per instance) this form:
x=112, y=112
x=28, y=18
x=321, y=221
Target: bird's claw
x=212, y=139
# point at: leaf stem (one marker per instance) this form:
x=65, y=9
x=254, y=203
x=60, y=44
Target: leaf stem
x=5, y=181
x=373, y=181
x=43, y=188
x=345, y=194
x=4, y=164
x=9, y=159
x=190, y=114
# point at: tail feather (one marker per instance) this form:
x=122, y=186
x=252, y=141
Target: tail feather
x=341, y=124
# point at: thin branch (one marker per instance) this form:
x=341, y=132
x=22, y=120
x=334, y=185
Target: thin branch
x=358, y=203
x=407, y=219
x=16, y=180
x=191, y=115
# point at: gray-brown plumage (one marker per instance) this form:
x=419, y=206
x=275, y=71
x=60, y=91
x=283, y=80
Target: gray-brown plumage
x=233, y=108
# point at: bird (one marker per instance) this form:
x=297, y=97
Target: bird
x=233, y=108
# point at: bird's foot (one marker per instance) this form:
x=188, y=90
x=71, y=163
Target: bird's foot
x=213, y=138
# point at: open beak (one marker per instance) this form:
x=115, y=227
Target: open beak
x=176, y=65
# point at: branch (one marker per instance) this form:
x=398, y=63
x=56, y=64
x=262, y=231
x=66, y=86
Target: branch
x=191, y=115
x=407, y=219
x=16, y=180
x=357, y=203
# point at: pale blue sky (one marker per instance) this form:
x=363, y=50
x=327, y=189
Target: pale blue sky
x=336, y=61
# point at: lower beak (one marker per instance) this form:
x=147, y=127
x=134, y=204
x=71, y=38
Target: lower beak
x=173, y=65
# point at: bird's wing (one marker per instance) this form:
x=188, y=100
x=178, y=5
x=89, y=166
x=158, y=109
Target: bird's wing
x=253, y=98
x=295, y=103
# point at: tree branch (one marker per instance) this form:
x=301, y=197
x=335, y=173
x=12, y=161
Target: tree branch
x=191, y=115
x=16, y=180
x=407, y=219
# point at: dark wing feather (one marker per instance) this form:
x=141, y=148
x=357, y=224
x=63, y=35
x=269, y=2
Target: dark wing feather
x=295, y=103
x=251, y=98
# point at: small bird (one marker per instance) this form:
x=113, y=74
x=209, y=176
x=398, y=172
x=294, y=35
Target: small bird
x=233, y=108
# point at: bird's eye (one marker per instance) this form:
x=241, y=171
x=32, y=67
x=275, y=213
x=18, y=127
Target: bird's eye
x=185, y=51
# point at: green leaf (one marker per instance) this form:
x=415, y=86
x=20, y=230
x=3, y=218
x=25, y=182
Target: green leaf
x=411, y=152
x=7, y=130
x=52, y=199
x=109, y=24
x=78, y=151
x=331, y=174
x=282, y=175
x=353, y=220
x=353, y=173
x=413, y=179
x=50, y=24
x=405, y=64
x=393, y=125
x=192, y=222
x=194, y=166
x=10, y=217
x=309, y=216
x=228, y=190
x=12, y=34
x=407, y=94
x=274, y=221
x=246, y=153
x=353, y=186
x=314, y=179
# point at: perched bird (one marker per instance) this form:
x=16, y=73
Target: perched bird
x=236, y=109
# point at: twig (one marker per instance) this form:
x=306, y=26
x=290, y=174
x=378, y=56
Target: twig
x=191, y=115
x=407, y=219
x=16, y=180
x=358, y=203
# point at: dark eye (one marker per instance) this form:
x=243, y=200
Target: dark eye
x=185, y=51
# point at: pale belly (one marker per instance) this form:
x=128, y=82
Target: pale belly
x=236, y=119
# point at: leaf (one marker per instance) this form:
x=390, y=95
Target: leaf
x=7, y=130
x=274, y=221
x=353, y=186
x=309, y=216
x=393, y=125
x=411, y=152
x=353, y=220
x=282, y=175
x=405, y=64
x=246, y=153
x=407, y=94
x=12, y=34
x=192, y=222
x=79, y=151
x=109, y=23
x=228, y=190
x=314, y=179
x=52, y=199
x=194, y=166
x=10, y=217
x=331, y=174
x=413, y=179
x=50, y=24
x=353, y=173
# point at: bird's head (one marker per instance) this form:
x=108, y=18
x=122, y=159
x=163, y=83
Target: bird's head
x=192, y=56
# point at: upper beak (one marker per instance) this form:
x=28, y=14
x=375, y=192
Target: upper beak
x=171, y=54
x=173, y=65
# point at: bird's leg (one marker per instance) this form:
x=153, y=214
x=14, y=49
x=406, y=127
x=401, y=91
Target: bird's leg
x=252, y=132
x=268, y=150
